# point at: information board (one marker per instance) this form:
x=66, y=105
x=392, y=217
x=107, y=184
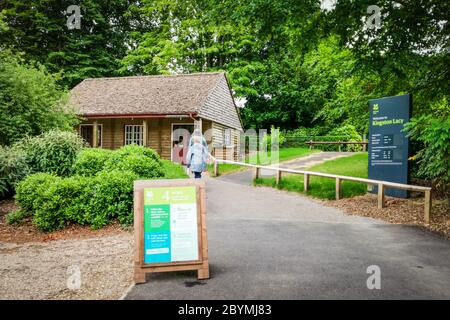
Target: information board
x=388, y=144
x=170, y=227
x=170, y=224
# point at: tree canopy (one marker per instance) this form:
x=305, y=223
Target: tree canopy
x=292, y=63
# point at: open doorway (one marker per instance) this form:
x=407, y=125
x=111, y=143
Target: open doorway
x=181, y=134
x=87, y=133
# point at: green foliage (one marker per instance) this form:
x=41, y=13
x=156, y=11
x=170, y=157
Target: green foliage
x=13, y=168
x=53, y=151
x=38, y=28
x=433, y=131
x=142, y=161
x=31, y=102
x=268, y=137
x=90, y=161
x=16, y=217
x=30, y=190
x=95, y=199
x=408, y=51
x=112, y=198
x=349, y=133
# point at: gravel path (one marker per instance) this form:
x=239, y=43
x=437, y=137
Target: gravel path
x=43, y=270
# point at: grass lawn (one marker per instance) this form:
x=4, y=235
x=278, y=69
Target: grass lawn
x=173, y=170
x=324, y=188
x=284, y=155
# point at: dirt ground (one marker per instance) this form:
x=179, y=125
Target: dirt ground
x=398, y=211
x=93, y=268
x=74, y=263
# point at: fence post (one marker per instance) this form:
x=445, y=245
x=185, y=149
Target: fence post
x=338, y=188
x=427, y=206
x=255, y=173
x=216, y=168
x=305, y=182
x=339, y=146
x=278, y=177
x=381, y=202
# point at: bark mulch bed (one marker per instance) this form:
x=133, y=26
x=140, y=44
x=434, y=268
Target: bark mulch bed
x=398, y=211
x=27, y=232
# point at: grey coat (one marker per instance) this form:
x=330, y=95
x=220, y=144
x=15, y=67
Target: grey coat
x=197, y=156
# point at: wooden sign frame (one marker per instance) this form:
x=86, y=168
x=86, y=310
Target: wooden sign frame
x=141, y=268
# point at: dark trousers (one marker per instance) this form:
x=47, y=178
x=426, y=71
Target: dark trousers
x=197, y=175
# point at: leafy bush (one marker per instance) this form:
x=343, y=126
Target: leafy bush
x=62, y=202
x=433, y=131
x=142, y=161
x=112, y=198
x=30, y=190
x=90, y=161
x=268, y=137
x=350, y=134
x=93, y=200
x=31, y=101
x=17, y=216
x=13, y=168
x=52, y=152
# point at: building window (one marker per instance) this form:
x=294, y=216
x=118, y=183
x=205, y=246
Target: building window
x=227, y=137
x=87, y=133
x=134, y=134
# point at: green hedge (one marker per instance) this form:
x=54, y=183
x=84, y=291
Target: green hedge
x=94, y=201
x=90, y=161
x=30, y=190
x=102, y=190
x=142, y=161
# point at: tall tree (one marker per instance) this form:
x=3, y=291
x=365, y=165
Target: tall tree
x=39, y=29
x=404, y=39
x=31, y=101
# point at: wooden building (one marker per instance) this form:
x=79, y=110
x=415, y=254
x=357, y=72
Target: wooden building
x=157, y=111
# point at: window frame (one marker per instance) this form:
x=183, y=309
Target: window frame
x=229, y=138
x=133, y=133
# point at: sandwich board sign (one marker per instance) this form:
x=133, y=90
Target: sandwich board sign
x=169, y=227
x=388, y=143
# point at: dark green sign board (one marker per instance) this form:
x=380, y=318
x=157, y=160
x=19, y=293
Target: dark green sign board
x=388, y=144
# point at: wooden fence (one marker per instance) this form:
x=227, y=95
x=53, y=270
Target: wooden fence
x=312, y=143
x=382, y=185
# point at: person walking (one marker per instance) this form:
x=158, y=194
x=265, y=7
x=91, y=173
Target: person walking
x=197, y=154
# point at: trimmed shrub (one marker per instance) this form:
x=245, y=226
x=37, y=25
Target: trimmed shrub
x=90, y=161
x=53, y=151
x=29, y=192
x=13, y=168
x=112, y=197
x=62, y=202
x=94, y=201
x=144, y=162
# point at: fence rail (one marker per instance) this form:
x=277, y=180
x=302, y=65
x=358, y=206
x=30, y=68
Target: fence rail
x=382, y=185
x=363, y=143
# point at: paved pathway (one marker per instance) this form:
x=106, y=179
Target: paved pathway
x=270, y=244
x=245, y=177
